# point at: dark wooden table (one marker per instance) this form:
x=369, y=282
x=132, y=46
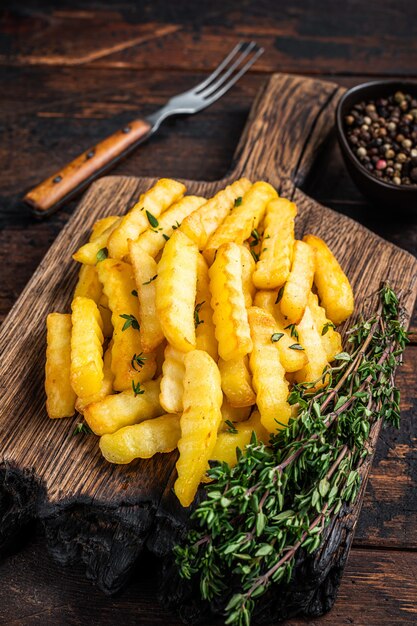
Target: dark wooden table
x=74, y=71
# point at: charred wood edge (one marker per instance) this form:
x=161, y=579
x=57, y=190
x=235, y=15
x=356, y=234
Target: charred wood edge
x=316, y=578
x=108, y=541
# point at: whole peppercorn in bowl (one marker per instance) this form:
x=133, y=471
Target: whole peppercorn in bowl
x=376, y=126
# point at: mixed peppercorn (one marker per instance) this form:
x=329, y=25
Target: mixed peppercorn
x=383, y=135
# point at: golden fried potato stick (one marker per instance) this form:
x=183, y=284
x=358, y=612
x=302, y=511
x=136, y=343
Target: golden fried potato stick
x=176, y=287
x=199, y=422
x=101, y=225
x=129, y=365
x=237, y=381
x=86, y=347
x=60, y=396
x=103, y=307
x=144, y=215
x=172, y=381
x=123, y=409
x=268, y=374
x=228, y=303
x=330, y=338
x=106, y=385
x=310, y=339
x=334, y=289
x=300, y=281
x=142, y=441
x=233, y=413
x=225, y=449
x=291, y=359
x=152, y=241
x=205, y=332
x=90, y=253
x=202, y=223
x=145, y=273
x=243, y=218
x=273, y=267
x=248, y=267
x=88, y=285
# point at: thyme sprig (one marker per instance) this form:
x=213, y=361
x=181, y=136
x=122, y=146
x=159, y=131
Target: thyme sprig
x=279, y=498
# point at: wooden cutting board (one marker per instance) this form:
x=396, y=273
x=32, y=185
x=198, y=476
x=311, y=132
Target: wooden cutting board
x=104, y=514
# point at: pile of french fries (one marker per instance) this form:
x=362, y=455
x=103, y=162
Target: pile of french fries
x=190, y=321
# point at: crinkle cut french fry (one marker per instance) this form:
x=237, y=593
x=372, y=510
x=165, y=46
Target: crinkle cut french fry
x=101, y=225
x=291, y=359
x=156, y=200
x=317, y=360
x=242, y=219
x=330, y=338
x=145, y=272
x=228, y=303
x=203, y=222
x=334, y=289
x=237, y=381
x=88, y=285
x=87, y=254
x=298, y=286
x=118, y=285
x=233, y=413
x=106, y=385
x=152, y=241
x=142, y=441
x=205, y=332
x=60, y=396
x=199, y=422
x=248, y=267
x=176, y=287
x=273, y=267
x=103, y=307
x=268, y=374
x=225, y=449
x=172, y=381
x=86, y=347
x=123, y=409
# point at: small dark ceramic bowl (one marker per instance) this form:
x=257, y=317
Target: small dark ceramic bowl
x=383, y=194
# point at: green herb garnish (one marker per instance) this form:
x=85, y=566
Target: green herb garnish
x=197, y=319
x=131, y=321
x=138, y=361
x=82, y=429
x=279, y=296
x=102, y=254
x=296, y=346
x=276, y=337
x=238, y=201
x=150, y=280
x=232, y=429
x=137, y=390
x=293, y=331
x=327, y=326
x=152, y=219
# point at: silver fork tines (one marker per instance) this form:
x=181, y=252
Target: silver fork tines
x=226, y=74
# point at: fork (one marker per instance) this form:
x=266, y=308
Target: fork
x=53, y=192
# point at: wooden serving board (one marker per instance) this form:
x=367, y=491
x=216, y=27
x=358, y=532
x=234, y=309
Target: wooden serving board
x=104, y=515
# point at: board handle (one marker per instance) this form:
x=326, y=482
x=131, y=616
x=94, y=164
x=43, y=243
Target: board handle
x=74, y=177
x=288, y=123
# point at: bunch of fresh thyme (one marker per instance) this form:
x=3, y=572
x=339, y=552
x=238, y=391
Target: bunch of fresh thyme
x=280, y=498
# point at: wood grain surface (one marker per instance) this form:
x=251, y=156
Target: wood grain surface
x=73, y=72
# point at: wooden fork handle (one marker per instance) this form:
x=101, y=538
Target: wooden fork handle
x=74, y=177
